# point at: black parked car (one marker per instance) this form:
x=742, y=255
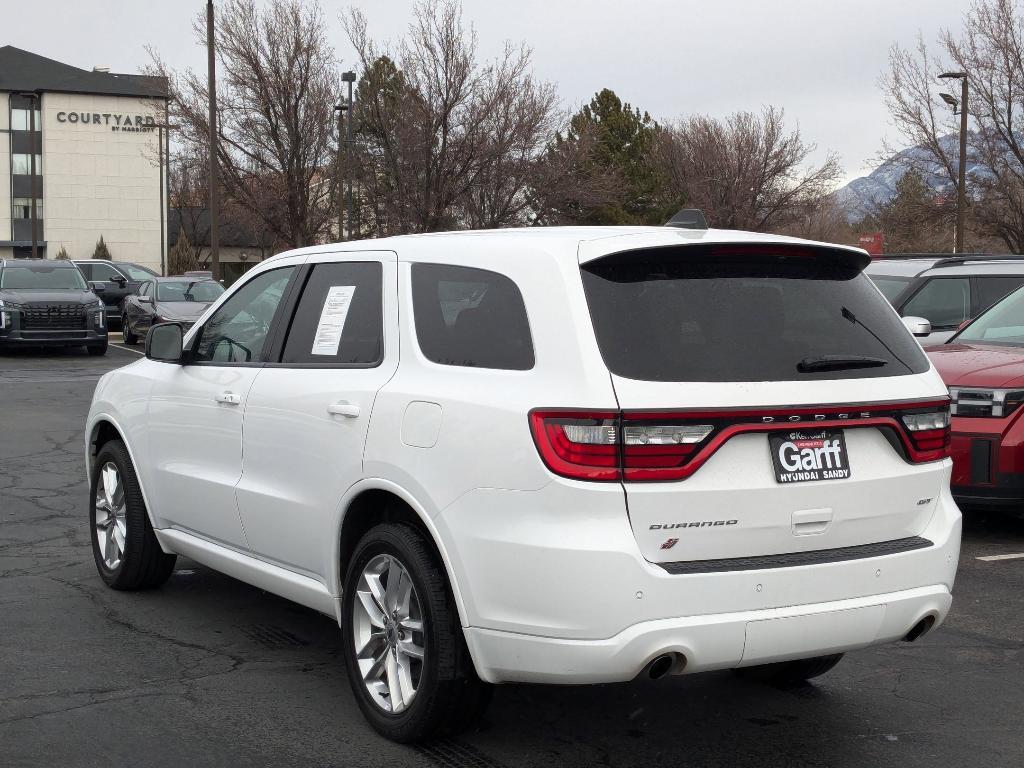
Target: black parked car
x=114, y=282
x=48, y=303
x=167, y=299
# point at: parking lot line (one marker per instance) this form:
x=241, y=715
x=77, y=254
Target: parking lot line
x=992, y=558
x=127, y=349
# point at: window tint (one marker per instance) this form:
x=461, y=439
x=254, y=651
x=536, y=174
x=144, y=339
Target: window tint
x=992, y=289
x=890, y=286
x=238, y=330
x=688, y=317
x=944, y=301
x=340, y=317
x=137, y=273
x=104, y=272
x=470, y=317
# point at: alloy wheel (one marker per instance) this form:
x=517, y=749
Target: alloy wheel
x=109, y=517
x=388, y=633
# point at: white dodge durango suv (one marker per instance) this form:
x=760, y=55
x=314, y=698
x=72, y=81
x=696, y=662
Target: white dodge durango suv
x=565, y=455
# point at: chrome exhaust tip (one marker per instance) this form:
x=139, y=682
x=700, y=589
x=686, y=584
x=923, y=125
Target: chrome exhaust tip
x=919, y=629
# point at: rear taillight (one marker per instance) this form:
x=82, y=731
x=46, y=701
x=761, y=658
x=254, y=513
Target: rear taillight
x=636, y=446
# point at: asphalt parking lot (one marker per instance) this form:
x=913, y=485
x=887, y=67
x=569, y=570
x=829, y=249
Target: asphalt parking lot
x=209, y=671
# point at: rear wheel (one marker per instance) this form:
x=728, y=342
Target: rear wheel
x=126, y=332
x=124, y=546
x=790, y=672
x=406, y=655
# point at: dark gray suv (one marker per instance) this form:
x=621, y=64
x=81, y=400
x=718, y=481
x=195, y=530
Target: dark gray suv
x=48, y=303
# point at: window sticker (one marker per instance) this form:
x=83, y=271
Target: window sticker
x=327, y=338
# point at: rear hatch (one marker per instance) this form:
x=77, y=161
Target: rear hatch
x=770, y=401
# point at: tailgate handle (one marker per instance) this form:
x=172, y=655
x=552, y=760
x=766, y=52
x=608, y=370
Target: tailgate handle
x=808, y=522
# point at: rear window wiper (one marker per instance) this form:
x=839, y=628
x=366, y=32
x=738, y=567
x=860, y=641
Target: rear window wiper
x=838, y=363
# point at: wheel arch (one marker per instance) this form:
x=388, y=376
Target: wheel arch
x=102, y=429
x=375, y=501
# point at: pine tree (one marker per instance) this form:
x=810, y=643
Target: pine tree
x=62, y=254
x=101, y=252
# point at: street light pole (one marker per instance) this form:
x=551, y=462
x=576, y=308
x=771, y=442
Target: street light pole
x=961, y=192
x=211, y=65
x=340, y=109
x=350, y=78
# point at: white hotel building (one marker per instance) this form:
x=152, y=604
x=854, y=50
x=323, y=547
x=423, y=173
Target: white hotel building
x=98, y=153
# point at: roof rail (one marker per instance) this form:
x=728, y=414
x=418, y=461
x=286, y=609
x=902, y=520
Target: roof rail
x=688, y=218
x=952, y=261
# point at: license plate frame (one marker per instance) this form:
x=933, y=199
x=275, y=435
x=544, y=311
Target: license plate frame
x=809, y=455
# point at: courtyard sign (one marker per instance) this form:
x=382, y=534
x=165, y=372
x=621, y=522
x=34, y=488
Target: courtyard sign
x=118, y=123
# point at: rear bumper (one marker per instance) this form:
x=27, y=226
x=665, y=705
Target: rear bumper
x=554, y=589
x=705, y=643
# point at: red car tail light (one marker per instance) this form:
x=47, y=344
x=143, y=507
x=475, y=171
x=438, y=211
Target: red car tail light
x=638, y=446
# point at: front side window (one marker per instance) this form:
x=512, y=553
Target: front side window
x=145, y=288
x=678, y=315
x=891, y=286
x=470, y=317
x=104, y=272
x=1002, y=324
x=137, y=273
x=238, y=330
x=21, y=164
x=945, y=302
x=340, y=317
x=42, y=278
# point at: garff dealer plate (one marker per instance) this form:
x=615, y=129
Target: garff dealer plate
x=805, y=455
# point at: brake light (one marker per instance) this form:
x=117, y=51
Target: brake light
x=638, y=446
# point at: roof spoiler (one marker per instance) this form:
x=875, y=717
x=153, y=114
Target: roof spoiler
x=688, y=218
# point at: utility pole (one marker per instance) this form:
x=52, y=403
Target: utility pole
x=350, y=78
x=961, y=192
x=211, y=65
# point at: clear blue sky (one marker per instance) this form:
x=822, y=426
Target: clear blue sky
x=819, y=59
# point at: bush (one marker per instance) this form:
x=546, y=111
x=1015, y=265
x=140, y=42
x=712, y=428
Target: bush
x=62, y=254
x=101, y=252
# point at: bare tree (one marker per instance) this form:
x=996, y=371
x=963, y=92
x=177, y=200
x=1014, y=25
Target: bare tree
x=745, y=172
x=445, y=141
x=990, y=49
x=277, y=85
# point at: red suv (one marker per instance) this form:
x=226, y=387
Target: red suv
x=983, y=366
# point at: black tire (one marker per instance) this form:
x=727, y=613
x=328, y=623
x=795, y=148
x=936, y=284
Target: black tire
x=449, y=696
x=126, y=331
x=143, y=565
x=790, y=672
x=97, y=350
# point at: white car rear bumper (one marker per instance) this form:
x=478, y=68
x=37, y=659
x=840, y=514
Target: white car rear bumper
x=704, y=643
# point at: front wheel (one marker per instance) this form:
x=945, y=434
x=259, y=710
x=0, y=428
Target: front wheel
x=97, y=350
x=791, y=672
x=126, y=551
x=405, y=652
x=126, y=332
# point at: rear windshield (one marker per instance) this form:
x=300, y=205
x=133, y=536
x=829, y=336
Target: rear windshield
x=683, y=315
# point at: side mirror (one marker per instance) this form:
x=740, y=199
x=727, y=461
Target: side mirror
x=145, y=299
x=918, y=326
x=120, y=280
x=163, y=343
x=97, y=286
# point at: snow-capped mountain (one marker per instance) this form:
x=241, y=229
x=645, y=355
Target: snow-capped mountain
x=863, y=195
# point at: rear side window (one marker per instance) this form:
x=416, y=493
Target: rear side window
x=470, y=317
x=678, y=315
x=992, y=289
x=340, y=317
x=890, y=286
x=945, y=302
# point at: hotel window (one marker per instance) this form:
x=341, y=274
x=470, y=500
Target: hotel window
x=20, y=120
x=23, y=208
x=22, y=164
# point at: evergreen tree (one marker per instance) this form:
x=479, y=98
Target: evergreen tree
x=62, y=254
x=101, y=252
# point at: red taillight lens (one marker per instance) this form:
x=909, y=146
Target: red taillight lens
x=582, y=445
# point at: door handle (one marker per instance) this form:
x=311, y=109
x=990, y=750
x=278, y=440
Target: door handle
x=229, y=398
x=343, y=408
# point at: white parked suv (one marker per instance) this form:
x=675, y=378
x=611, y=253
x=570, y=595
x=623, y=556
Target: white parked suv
x=573, y=455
